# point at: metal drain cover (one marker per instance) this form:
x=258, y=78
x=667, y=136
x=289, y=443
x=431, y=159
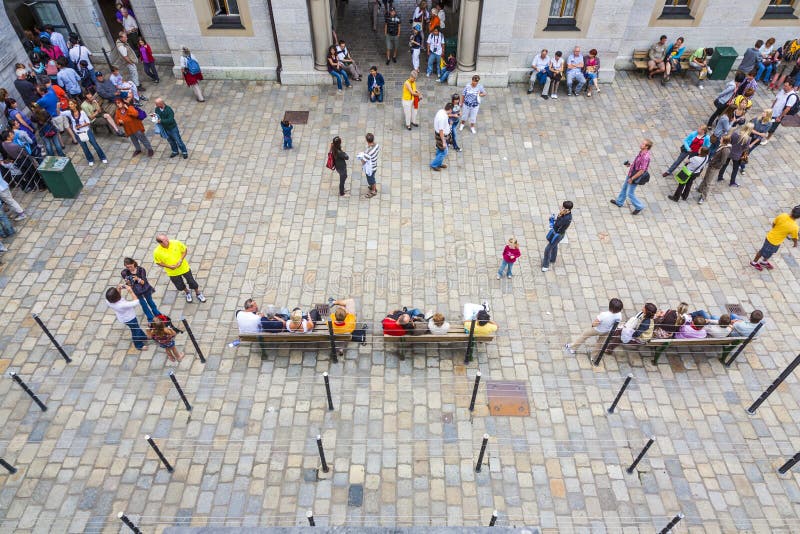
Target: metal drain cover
x=508, y=398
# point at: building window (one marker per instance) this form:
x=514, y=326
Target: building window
x=225, y=14
x=780, y=9
x=677, y=9
x=562, y=15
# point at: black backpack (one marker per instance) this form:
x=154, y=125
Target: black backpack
x=796, y=106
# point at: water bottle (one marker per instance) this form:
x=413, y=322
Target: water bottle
x=233, y=344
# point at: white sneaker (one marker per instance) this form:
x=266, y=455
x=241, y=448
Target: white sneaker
x=700, y=87
x=764, y=141
x=188, y=297
x=554, y=96
x=3, y=248
x=91, y=164
x=461, y=127
x=201, y=297
x=20, y=217
x=105, y=161
x=499, y=277
x=545, y=269
x=472, y=129
x=569, y=349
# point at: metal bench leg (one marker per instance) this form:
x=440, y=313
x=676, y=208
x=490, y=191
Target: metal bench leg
x=659, y=352
x=263, y=348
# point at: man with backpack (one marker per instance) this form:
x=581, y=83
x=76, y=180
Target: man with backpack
x=787, y=102
x=129, y=57
x=637, y=175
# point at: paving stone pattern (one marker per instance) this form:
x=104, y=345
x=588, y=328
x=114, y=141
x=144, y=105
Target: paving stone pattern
x=268, y=223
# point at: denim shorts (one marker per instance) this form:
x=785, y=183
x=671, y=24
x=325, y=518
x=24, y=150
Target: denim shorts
x=768, y=249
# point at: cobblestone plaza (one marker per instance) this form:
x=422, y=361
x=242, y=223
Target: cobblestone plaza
x=266, y=223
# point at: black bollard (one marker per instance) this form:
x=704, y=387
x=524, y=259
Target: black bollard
x=483, y=451
x=788, y=465
x=328, y=390
x=621, y=391
x=611, y=332
x=52, y=339
x=194, y=341
x=475, y=391
x=641, y=455
x=322, y=454
x=470, y=342
x=129, y=523
x=671, y=524
x=180, y=391
x=332, y=337
x=742, y=345
x=27, y=390
x=310, y=517
x=10, y=468
x=772, y=387
x=493, y=520
x=160, y=454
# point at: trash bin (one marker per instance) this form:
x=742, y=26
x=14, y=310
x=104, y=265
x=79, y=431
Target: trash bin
x=721, y=62
x=450, y=45
x=60, y=176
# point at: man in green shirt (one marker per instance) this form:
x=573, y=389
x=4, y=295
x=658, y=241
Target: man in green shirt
x=165, y=117
x=699, y=61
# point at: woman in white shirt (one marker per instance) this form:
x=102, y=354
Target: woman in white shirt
x=82, y=126
x=126, y=312
x=556, y=69
x=299, y=324
x=437, y=325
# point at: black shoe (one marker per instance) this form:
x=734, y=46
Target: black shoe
x=185, y=156
x=636, y=212
x=394, y=59
x=673, y=198
x=530, y=91
x=615, y=203
x=173, y=155
x=545, y=97
x=387, y=61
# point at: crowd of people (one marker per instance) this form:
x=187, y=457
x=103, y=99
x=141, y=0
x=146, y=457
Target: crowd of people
x=412, y=321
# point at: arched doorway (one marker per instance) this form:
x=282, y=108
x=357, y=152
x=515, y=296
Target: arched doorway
x=25, y=14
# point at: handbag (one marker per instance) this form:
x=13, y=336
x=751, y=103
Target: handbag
x=642, y=179
x=683, y=176
x=416, y=102
x=329, y=163
x=83, y=136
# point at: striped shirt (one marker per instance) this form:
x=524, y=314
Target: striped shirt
x=372, y=153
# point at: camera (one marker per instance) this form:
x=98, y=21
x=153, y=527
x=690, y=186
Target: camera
x=129, y=280
x=626, y=162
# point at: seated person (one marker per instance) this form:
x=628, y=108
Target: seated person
x=249, y=319
x=692, y=329
x=91, y=106
x=106, y=89
x=350, y=65
x=637, y=330
x=669, y=322
x=272, y=323
x=484, y=326
x=719, y=328
x=343, y=316
x=397, y=323
x=539, y=69
x=699, y=61
x=299, y=323
x=437, y=325
x=739, y=326
x=655, y=57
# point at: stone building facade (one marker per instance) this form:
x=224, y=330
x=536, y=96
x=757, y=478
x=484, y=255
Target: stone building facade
x=286, y=40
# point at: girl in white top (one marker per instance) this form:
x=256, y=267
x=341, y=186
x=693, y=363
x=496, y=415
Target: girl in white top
x=437, y=325
x=556, y=68
x=298, y=324
x=82, y=126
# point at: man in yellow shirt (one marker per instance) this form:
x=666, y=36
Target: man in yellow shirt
x=784, y=225
x=171, y=255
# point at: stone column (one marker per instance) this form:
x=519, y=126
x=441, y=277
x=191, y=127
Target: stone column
x=468, y=34
x=320, y=15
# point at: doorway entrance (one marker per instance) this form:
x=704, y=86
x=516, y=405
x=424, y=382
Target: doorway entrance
x=24, y=15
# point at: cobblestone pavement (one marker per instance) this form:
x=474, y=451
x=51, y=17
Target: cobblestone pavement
x=264, y=222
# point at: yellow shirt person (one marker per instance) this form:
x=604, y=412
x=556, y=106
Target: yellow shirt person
x=783, y=226
x=171, y=255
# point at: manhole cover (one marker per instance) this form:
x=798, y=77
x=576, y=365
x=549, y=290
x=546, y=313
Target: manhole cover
x=735, y=309
x=508, y=398
x=296, y=117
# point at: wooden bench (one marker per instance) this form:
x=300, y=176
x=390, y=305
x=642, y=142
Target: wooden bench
x=455, y=336
x=640, y=59
x=320, y=334
x=727, y=344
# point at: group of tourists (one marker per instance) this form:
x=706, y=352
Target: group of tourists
x=412, y=321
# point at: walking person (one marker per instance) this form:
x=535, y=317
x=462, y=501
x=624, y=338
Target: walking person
x=391, y=32
x=471, y=102
x=714, y=165
x=165, y=337
x=135, y=277
x=340, y=158
x=785, y=102
x=171, y=255
x=192, y=73
x=129, y=58
x=511, y=254
x=638, y=174
x=125, y=311
x=148, y=61
x=166, y=118
x=375, y=10
x=8, y=199
x=127, y=116
x=740, y=142
x=371, y=154
x=556, y=234
x=454, y=116
x=410, y=100
x=688, y=173
x=82, y=126
x=690, y=147
x=441, y=127
x=784, y=225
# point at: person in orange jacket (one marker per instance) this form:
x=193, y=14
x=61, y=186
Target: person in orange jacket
x=127, y=116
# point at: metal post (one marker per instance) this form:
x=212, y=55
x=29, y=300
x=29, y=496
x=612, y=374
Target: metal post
x=108, y=60
x=129, y=523
x=328, y=390
x=180, y=391
x=332, y=337
x=475, y=391
x=52, y=339
x=621, y=391
x=322, y=454
x=160, y=454
x=743, y=344
x=493, y=520
x=470, y=342
x=641, y=455
x=600, y=354
x=310, y=517
x=10, y=468
x=27, y=390
x=782, y=470
x=483, y=451
x=671, y=524
x=772, y=387
x=194, y=341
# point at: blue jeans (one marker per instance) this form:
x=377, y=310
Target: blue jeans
x=149, y=307
x=439, y=159
x=339, y=76
x=52, y=145
x=444, y=76
x=175, y=141
x=551, y=251
x=505, y=266
x=629, y=191
x=287, y=141
x=681, y=157
x=590, y=78
x=434, y=60
x=137, y=335
x=762, y=68
x=373, y=98
x=575, y=75
x=93, y=142
x=707, y=316
x=453, y=134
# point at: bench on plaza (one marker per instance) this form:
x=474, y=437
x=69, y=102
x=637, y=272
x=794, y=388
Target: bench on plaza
x=640, y=58
x=456, y=336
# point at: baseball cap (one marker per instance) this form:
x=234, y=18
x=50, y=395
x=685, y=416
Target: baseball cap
x=98, y=73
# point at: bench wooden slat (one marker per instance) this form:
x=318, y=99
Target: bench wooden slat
x=431, y=338
x=640, y=58
x=703, y=341
x=319, y=334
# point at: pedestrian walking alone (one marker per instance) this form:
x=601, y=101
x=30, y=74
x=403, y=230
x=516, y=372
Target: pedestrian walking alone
x=784, y=225
x=511, y=254
x=126, y=312
x=340, y=158
x=441, y=130
x=166, y=118
x=637, y=175
x=192, y=73
x=560, y=224
x=171, y=255
x=371, y=154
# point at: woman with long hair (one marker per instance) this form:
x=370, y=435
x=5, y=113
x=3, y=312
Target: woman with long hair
x=740, y=142
x=336, y=69
x=340, y=158
x=82, y=126
x=165, y=337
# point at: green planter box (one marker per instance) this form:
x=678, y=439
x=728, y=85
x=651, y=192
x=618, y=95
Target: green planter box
x=721, y=62
x=60, y=176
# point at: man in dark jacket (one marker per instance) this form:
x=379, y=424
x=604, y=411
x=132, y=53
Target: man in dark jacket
x=560, y=225
x=166, y=118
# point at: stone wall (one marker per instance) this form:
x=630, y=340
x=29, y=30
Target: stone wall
x=11, y=52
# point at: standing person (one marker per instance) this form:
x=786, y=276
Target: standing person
x=721, y=155
x=166, y=118
x=375, y=10
x=471, y=102
x=634, y=178
x=24, y=86
x=375, y=85
x=391, y=31
x=79, y=53
x=148, y=61
x=655, y=57
x=725, y=97
x=556, y=234
x=434, y=45
x=8, y=199
x=127, y=116
x=601, y=325
x=415, y=42
x=511, y=254
x=441, y=127
x=784, y=225
x=129, y=25
x=82, y=126
x=286, y=128
x=129, y=57
x=372, y=152
x=56, y=38
x=126, y=312
x=135, y=276
x=171, y=255
x=740, y=141
x=165, y=337
x=751, y=58
x=340, y=158
x=784, y=101
x=575, y=72
x=410, y=100
x=454, y=116
x=688, y=173
x=690, y=147
x=192, y=73
x=421, y=16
